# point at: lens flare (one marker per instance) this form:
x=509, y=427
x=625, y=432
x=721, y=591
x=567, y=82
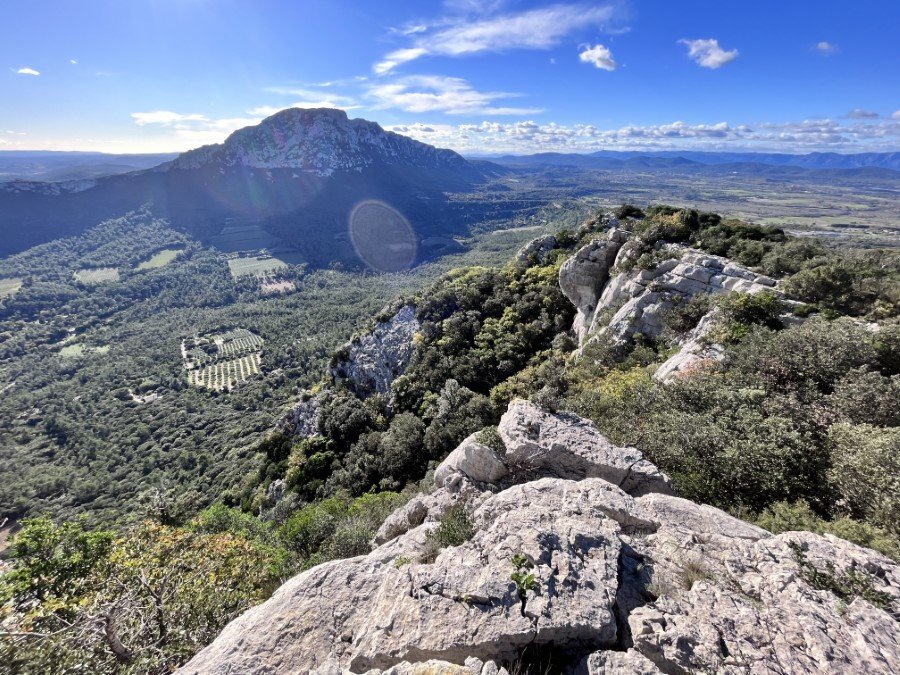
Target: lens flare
x=382, y=237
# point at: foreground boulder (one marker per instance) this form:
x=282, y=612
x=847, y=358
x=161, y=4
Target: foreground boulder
x=593, y=567
x=474, y=460
x=375, y=612
x=569, y=446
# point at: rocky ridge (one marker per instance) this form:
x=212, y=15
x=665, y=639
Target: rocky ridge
x=615, y=297
x=622, y=577
x=321, y=141
x=636, y=298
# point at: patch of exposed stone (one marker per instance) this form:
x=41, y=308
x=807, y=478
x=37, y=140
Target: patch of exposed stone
x=583, y=276
x=302, y=421
x=535, y=252
x=638, y=298
x=695, y=353
x=627, y=578
x=370, y=364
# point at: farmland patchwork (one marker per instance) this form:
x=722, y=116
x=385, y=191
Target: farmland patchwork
x=222, y=361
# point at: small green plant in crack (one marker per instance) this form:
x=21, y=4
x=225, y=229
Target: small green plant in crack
x=400, y=561
x=845, y=585
x=454, y=529
x=521, y=577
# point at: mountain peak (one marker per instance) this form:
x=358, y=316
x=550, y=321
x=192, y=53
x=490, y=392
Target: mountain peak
x=316, y=140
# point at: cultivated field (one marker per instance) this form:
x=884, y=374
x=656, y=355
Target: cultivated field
x=249, y=237
x=160, y=259
x=74, y=351
x=225, y=374
x=222, y=360
x=97, y=275
x=9, y=287
x=256, y=266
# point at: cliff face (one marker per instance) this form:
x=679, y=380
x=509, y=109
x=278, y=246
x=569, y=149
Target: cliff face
x=371, y=363
x=616, y=297
x=577, y=545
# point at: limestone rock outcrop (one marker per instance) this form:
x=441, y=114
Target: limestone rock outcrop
x=638, y=298
x=536, y=250
x=474, y=460
x=583, y=276
x=302, y=421
x=371, y=363
x=615, y=575
x=628, y=662
x=613, y=296
x=568, y=446
x=695, y=353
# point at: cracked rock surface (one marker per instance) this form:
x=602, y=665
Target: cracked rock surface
x=627, y=578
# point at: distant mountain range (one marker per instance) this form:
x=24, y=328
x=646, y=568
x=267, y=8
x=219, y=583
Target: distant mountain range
x=298, y=174
x=718, y=162
x=61, y=166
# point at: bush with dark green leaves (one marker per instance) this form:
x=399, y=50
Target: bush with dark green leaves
x=755, y=430
x=628, y=211
x=865, y=469
x=454, y=529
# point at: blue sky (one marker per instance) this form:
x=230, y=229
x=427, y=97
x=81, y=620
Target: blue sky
x=480, y=77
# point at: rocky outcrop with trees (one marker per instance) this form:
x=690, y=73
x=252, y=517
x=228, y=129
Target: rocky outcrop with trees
x=576, y=553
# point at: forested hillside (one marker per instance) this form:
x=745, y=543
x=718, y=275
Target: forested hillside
x=100, y=415
x=793, y=425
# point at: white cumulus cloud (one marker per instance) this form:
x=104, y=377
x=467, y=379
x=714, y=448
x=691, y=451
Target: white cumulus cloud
x=826, y=48
x=28, y=71
x=531, y=137
x=708, y=53
x=599, y=56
